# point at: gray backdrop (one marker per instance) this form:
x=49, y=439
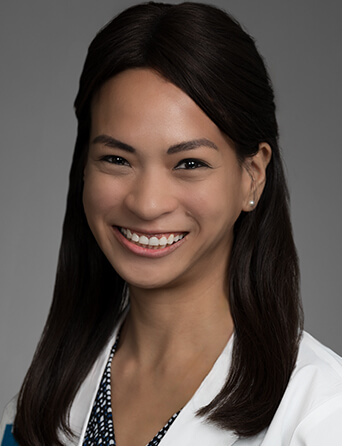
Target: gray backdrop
x=43, y=44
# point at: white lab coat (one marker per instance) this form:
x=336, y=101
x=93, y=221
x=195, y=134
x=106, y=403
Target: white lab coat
x=310, y=413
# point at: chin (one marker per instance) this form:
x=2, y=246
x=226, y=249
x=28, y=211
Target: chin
x=147, y=283
x=146, y=275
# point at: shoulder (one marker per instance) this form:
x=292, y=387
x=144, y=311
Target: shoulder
x=310, y=412
x=311, y=351
x=317, y=368
x=7, y=423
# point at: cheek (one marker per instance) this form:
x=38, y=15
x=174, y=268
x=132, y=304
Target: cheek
x=218, y=203
x=99, y=197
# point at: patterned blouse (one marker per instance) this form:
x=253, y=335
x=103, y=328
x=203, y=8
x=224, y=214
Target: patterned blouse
x=100, y=429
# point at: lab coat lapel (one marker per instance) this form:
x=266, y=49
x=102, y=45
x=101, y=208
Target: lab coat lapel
x=189, y=429
x=84, y=400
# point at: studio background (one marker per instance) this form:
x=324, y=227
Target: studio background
x=43, y=44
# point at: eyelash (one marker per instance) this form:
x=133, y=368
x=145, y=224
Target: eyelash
x=190, y=163
x=115, y=159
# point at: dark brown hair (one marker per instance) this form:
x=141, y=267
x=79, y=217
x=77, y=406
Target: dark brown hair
x=207, y=54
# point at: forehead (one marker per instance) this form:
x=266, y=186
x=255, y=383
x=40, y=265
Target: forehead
x=140, y=103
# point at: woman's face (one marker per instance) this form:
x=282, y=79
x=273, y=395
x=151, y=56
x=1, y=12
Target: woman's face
x=162, y=184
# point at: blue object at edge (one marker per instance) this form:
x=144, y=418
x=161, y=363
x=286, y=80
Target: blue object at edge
x=8, y=439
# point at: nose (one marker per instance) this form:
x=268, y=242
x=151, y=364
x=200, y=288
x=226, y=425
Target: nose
x=151, y=196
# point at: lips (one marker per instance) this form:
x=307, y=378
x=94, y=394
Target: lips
x=155, y=241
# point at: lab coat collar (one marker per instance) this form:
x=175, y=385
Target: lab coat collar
x=188, y=428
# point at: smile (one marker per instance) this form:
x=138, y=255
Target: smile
x=152, y=242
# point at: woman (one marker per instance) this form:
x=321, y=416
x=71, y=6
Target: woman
x=176, y=297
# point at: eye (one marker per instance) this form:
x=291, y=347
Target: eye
x=191, y=163
x=114, y=159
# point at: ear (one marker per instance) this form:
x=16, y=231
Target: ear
x=255, y=167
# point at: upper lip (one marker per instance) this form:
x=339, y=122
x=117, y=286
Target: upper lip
x=152, y=232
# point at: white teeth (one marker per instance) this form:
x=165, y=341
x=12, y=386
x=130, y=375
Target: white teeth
x=162, y=241
x=170, y=239
x=143, y=240
x=135, y=238
x=152, y=242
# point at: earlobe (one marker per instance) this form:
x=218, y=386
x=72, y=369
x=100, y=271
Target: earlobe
x=256, y=169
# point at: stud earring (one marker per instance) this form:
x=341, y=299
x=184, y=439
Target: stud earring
x=252, y=203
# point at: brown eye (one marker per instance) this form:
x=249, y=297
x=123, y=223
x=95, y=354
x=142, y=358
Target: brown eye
x=190, y=164
x=114, y=159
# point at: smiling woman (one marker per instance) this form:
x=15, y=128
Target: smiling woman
x=147, y=184
x=176, y=317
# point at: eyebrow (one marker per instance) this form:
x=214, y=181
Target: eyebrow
x=109, y=141
x=189, y=145
x=113, y=143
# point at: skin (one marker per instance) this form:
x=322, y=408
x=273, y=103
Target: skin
x=179, y=302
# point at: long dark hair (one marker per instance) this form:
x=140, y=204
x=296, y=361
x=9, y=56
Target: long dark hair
x=206, y=53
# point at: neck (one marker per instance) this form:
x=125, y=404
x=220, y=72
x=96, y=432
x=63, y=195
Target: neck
x=185, y=322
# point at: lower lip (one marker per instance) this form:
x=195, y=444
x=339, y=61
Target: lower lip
x=146, y=252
